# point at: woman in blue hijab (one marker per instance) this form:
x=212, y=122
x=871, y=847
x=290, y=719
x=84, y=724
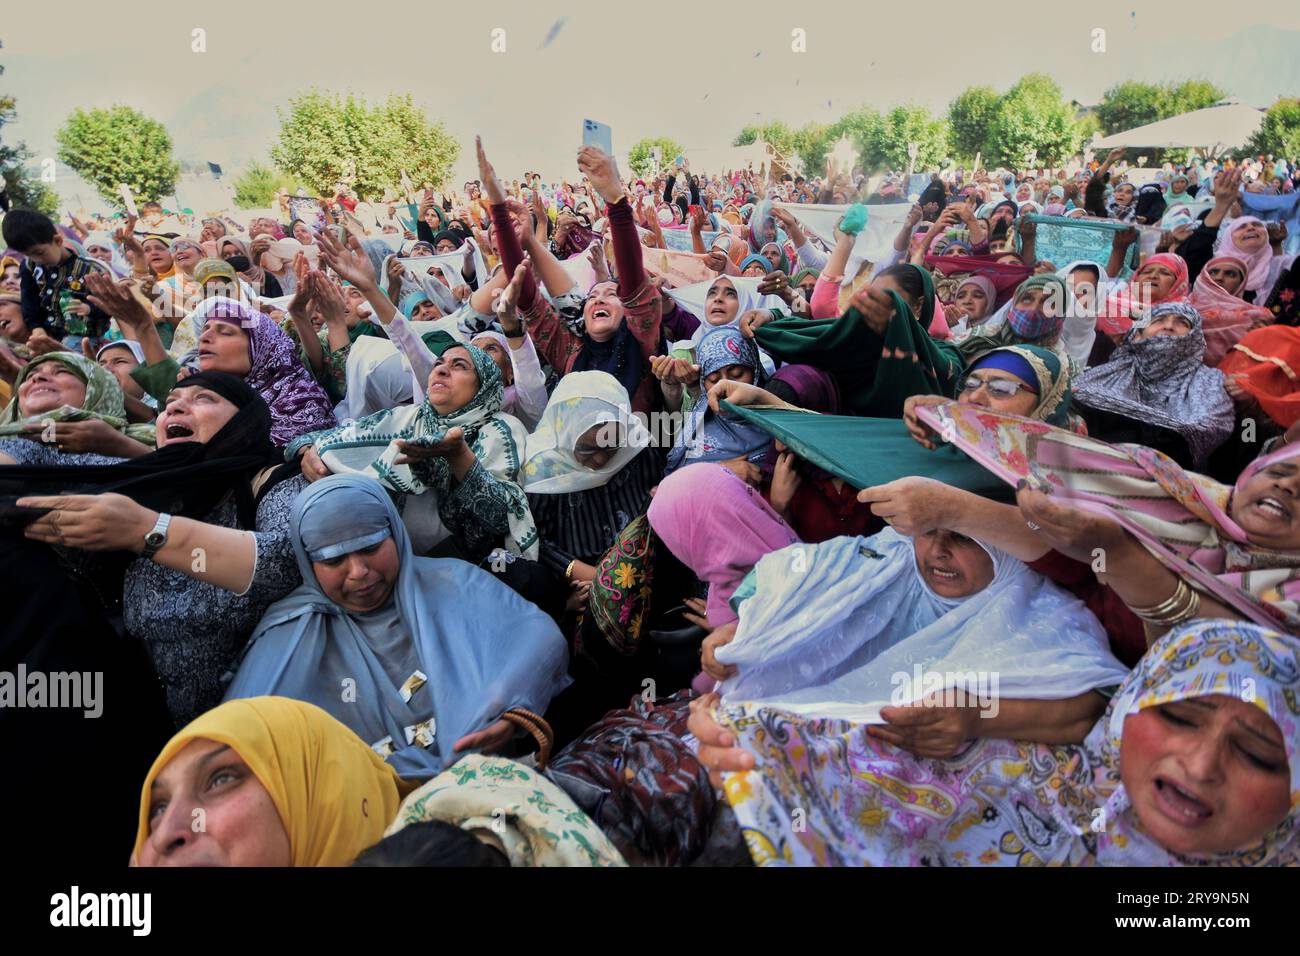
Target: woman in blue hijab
x=421, y=657
x=719, y=436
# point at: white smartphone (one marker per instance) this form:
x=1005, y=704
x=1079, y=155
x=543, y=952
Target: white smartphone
x=598, y=135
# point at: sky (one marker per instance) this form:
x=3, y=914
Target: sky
x=694, y=71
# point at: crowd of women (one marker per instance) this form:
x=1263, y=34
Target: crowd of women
x=664, y=521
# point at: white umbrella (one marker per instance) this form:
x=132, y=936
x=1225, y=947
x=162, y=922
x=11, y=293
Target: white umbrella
x=1214, y=130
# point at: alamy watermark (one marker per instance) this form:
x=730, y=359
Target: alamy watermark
x=71, y=690
x=929, y=688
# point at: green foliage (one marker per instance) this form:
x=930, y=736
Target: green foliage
x=641, y=156
x=861, y=127
x=326, y=139
x=107, y=147
x=257, y=186
x=24, y=191
x=1131, y=104
x=1033, y=121
x=910, y=124
x=969, y=116
x=812, y=143
x=1279, y=133
x=777, y=133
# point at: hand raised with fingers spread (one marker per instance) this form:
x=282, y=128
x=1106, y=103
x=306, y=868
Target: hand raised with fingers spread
x=117, y=298
x=349, y=262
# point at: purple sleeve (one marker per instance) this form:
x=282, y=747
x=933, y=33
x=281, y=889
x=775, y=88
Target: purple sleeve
x=679, y=324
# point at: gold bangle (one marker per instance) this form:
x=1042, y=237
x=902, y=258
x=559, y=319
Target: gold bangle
x=1182, y=606
x=1164, y=607
x=568, y=572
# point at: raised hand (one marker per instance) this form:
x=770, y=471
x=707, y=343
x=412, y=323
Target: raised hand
x=492, y=189
x=118, y=300
x=601, y=171
x=349, y=262
x=507, y=299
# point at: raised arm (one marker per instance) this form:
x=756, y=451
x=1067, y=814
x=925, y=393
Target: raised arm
x=601, y=172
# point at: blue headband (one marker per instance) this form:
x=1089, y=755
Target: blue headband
x=1004, y=360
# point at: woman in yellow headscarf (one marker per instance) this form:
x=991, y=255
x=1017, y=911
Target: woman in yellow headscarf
x=265, y=781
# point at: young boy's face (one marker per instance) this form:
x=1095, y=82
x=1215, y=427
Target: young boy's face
x=48, y=254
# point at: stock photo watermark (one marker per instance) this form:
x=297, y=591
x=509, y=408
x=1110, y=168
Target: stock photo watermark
x=55, y=690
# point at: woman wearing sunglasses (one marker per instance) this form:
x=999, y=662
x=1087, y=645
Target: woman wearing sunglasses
x=1022, y=380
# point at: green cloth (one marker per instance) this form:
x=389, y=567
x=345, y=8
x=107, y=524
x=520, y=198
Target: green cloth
x=866, y=452
x=439, y=341
x=158, y=379
x=875, y=375
x=103, y=400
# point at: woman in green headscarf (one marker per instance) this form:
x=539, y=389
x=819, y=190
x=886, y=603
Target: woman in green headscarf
x=879, y=350
x=1034, y=316
x=66, y=407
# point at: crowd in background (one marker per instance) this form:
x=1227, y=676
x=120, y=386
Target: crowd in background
x=708, y=517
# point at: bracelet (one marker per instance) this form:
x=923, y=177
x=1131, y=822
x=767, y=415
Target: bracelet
x=568, y=572
x=1181, y=606
x=519, y=333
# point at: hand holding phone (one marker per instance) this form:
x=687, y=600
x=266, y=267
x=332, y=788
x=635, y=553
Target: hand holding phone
x=598, y=135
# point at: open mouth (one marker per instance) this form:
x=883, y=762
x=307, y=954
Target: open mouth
x=1273, y=508
x=177, y=430
x=601, y=313
x=1180, y=804
x=943, y=575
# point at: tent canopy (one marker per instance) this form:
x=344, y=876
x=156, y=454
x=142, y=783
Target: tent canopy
x=1214, y=129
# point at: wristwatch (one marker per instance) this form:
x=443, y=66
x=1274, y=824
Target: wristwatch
x=157, y=537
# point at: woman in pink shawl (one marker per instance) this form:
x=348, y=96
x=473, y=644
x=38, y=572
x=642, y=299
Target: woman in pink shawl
x=1246, y=237
x=1226, y=316
x=1161, y=279
x=720, y=543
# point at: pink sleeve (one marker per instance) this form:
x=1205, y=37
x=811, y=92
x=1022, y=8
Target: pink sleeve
x=939, y=328
x=825, y=301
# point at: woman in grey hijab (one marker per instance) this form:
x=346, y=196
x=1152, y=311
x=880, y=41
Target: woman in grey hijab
x=1156, y=378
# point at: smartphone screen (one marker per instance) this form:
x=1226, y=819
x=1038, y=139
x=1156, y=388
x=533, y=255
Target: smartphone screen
x=598, y=135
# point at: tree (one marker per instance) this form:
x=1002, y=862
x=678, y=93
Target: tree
x=778, y=133
x=1033, y=125
x=641, y=156
x=24, y=192
x=108, y=147
x=1279, y=133
x=1131, y=104
x=910, y=124
x=1190, y=95
x=257, y=186
x=861, y=127
x=326, y=140
x=812, y=143
x=969, y=116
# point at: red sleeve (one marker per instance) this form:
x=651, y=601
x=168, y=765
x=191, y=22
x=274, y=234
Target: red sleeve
x=512, y=253
x=627, y=249
x=553, y=341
